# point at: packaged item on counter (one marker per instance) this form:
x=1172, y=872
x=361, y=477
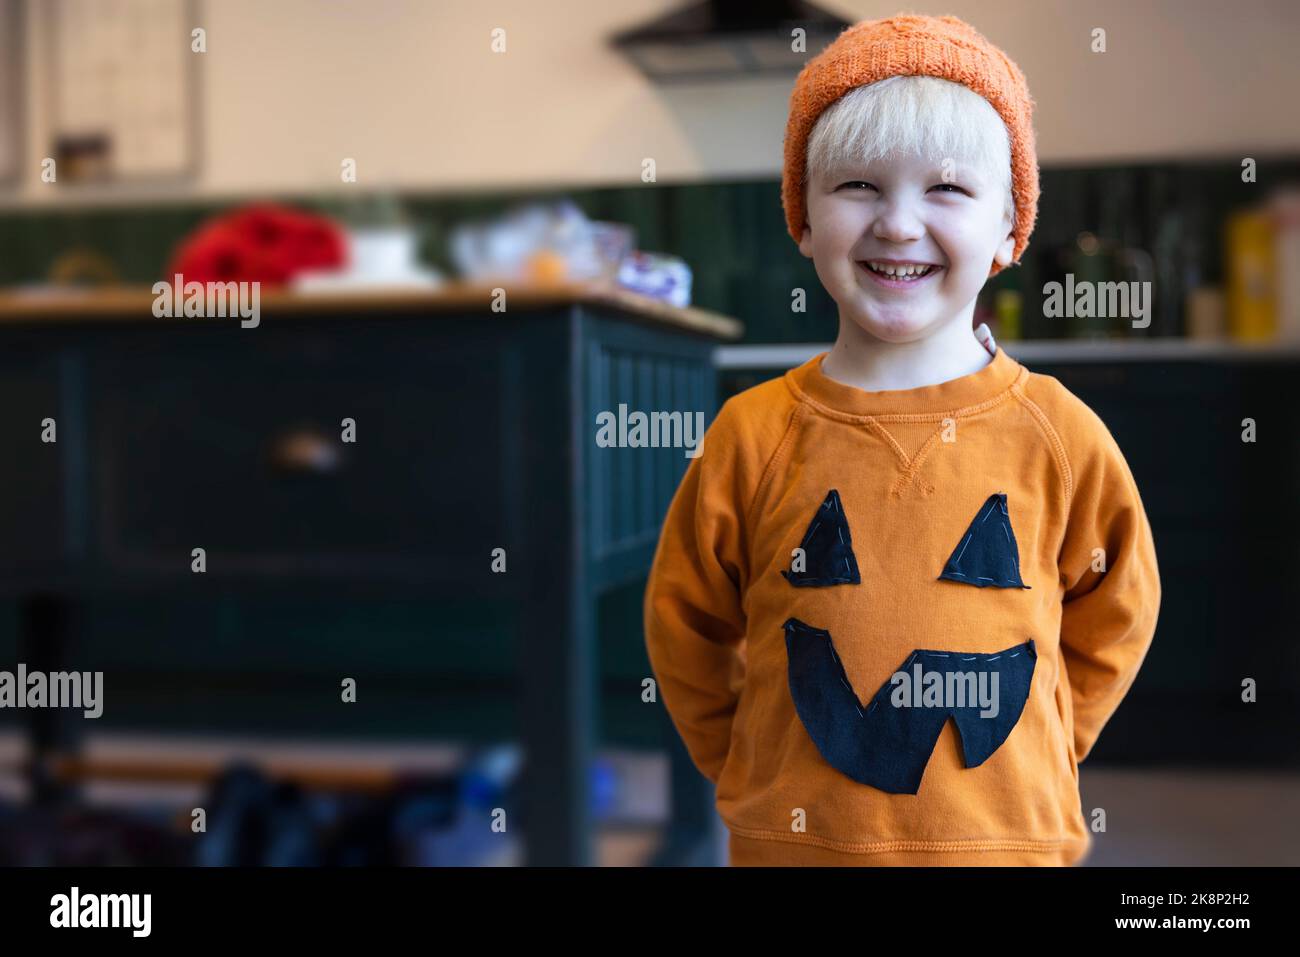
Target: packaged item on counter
x=1286, y=219
x=540, y=243
x=657, y=275
x=1204, y=318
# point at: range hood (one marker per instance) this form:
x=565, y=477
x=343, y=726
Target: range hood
x=728, y=39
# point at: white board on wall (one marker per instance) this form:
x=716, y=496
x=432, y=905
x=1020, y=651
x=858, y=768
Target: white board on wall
x=12, y=90
x=121, y=85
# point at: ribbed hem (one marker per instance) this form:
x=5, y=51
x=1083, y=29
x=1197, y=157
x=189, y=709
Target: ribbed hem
x=961, y=395
x=752, y=852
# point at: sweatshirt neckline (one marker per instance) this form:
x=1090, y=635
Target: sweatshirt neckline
x=984, y=385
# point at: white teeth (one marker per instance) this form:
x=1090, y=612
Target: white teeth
x=899, y=272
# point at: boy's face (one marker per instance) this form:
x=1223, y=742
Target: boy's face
x=903, y=209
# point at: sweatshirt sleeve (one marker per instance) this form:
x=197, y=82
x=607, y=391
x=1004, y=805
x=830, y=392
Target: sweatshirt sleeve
x=693, y=616
x=1109, y=616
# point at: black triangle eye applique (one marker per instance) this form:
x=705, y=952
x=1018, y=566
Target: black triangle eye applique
x=827, y=548
x=987, y=554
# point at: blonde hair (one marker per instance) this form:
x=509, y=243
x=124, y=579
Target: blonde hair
x=911, y=116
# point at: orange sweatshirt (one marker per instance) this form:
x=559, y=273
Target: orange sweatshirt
x=889, y=625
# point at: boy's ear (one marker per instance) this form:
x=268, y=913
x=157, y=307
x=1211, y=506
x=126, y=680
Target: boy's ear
x=1005, y=250
x=805, y=243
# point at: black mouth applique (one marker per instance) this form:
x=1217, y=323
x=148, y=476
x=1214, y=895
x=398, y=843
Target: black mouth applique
x=987, y=555
x=827, y=548
x=885, y=746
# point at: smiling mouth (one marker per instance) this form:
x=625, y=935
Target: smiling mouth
x=899, y=272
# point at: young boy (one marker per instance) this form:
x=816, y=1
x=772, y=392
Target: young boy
x=903, y=530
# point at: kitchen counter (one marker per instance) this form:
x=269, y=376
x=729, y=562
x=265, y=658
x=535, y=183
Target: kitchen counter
x=789, y=355
x=136, y=302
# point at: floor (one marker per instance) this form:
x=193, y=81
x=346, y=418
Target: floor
x=1194, y=817
x=1153, y=818
x=1188, y=817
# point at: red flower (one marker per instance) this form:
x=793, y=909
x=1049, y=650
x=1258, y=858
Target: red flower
x=261, y=243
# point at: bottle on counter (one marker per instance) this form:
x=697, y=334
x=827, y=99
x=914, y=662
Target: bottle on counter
x=1007, y=307
x=1251, y=271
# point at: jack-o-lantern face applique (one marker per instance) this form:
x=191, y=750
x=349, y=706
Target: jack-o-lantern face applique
x=987, y=554
x=886, y=742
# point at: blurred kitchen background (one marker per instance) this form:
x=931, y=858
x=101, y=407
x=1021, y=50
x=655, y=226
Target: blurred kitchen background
x=380, y=166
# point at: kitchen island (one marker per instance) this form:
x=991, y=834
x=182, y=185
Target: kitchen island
x=371, y=447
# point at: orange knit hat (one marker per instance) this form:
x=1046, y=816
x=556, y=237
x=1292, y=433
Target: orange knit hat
x=907, y=45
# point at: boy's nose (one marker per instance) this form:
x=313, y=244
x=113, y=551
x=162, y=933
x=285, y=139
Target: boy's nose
x=896, y=224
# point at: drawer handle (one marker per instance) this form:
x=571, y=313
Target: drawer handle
x=306, y=450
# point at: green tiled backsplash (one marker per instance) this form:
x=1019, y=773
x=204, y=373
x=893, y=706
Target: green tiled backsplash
x=733, y=236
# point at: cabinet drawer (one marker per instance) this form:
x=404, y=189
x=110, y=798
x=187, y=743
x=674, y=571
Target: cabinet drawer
x=238, y=449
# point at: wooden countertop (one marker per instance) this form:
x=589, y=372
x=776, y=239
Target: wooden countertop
x=136, y=302
x=788, y=355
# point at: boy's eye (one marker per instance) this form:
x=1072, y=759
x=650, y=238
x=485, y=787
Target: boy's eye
x=855, y=183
